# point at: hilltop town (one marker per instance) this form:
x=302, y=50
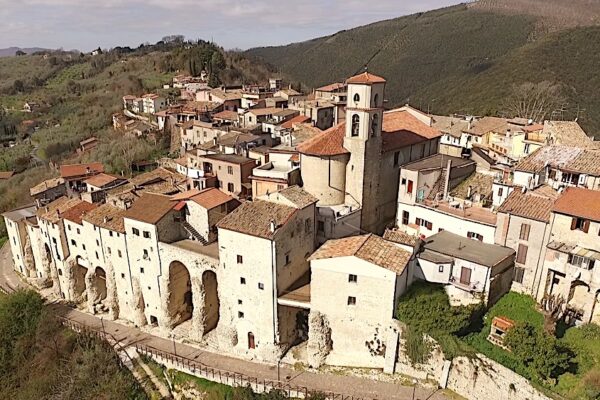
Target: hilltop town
x=291, y=227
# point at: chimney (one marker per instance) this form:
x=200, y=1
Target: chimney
x=469, y=191
x=447, y=182
x=105, y=219
x=87, y=170
x=272, y=226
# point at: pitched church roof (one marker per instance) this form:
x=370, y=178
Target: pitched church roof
x=365, y=78
x=327, y=143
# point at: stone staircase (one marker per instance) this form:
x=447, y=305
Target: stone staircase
x=438, y=186
x=192, y=231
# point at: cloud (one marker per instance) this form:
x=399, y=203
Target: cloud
x=86, y=24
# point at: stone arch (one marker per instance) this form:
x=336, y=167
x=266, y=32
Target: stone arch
x=97, y=290
x=180, y=299
x=79, y=279
x=210, y=300
x=596, y=308
x=580, y=299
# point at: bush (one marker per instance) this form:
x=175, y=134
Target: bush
x=541, y=353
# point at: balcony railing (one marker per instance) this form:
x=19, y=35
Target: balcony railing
x=467, y=286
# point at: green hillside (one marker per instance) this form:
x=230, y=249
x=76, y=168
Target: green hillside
x=462, y=59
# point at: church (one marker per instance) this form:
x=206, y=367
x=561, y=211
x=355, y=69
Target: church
x=353, y=168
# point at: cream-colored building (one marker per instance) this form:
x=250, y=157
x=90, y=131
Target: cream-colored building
x=355, y=286
x=572, y=258
x=20, y=242
x=353, y=168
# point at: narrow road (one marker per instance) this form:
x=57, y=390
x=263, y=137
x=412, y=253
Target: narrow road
x=130, y=336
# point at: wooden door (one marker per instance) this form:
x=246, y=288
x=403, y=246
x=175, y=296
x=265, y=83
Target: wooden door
x=251, y=344
x=465, y=276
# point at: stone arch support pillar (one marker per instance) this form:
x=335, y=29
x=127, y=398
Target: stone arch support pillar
x=199, y=313
x=29, y=260
x=139, y=305
x=319, y=339
x=167, y=321
x=112, y=298
x=90, y=290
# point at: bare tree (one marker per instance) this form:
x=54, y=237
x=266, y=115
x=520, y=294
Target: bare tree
x=553, y=308
x=536, y=101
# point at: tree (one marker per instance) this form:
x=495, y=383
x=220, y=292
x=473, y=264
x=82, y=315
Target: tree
x=18, y=86
x=535, y=101
x=541, y=353
x=20, y=53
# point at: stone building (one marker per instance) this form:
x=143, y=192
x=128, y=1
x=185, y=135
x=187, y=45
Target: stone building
x=16, y=228
x=353, y=168
x=279, y=236
x=571, y=265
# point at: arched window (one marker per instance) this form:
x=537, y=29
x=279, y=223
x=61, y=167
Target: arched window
x=356, y=98
x=374, y=124
x=376, y=100
x=355, y=124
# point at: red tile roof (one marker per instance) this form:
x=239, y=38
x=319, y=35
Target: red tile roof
x=101, y=180
x=254, y=218
x=327, y=143
x=365, y=78
x=298, y=119
x=227, y=115
x=76, y=213
x=74, y=170
x=370, y=248
x=6, y=174
x=331, y=87
x=401, y=128
x=150, y=208
x=211, y=198
x=578, y=202
x=528, y=205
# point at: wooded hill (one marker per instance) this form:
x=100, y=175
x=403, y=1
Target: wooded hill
x=466, y=58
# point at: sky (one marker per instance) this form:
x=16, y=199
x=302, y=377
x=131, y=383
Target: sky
x=87, y=24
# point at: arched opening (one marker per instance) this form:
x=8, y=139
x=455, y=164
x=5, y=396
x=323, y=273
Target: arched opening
x=79, y=273
x=211, y=300
x=579, y=300
x=251, y=341
x=356, y=97
x=596, y=309
x=99, y=290
x=355, y=125
x=374, y=124
x=376, y=100
x=181, y=305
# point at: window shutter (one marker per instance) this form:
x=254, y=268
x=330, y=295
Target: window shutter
x=522, y=254
x=418, y=221
x=586, y=225
x=429, y=225
x=573, y=223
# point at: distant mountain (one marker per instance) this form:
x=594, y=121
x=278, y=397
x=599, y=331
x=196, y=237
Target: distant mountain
x=11, y=51
x=465, y=58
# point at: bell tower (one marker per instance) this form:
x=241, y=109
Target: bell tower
x=364, y=119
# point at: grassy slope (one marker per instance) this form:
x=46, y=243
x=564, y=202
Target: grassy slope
x=453, y=60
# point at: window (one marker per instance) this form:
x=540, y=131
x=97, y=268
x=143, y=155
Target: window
x=500, y=191
x=239, y=301
x=522, y=254
x=240, y=259
x=409, y=188
x=97, y=242
x=145, y=254
x=355, y=124
x=280, y=187
x=288, y=259
x=475, y=235
x=110, y=233
x=83, y=246
x=321, y=226
x=230, y=187
x=575, y=260
x=53, y=240
x=72, y=242
x=519, y=273
x=135, y=231
x=397, y=162
x=352, y=278
x=524, y=235
x=376, y=100
x=240, y=314
x=68, y=227
x=580, y=224
x=147, y=234
x=405, y=217
x=97, y=258
x=375, y=125
x=243, y=281
x=261, y=286
x=356, y=97
x=351, y=300
x=119, y=253
x=403, y=181
x=78, y=232
x=307, y=225
x=108, y=250
x=230, y=170
x=424, y=223
x=440, y=268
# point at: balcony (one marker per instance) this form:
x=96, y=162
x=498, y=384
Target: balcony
x=466, y=286
x=274, y=171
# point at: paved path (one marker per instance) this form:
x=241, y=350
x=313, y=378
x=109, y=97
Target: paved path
x=130, y=336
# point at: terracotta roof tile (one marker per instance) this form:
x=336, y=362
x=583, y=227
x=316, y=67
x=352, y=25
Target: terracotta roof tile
x=6, y=174
x=397, y=236
x=54, y=210
x=565, y=158
x=527, y=205
x=401, y=128
x=578, y=202
x=332, y=87
x=254, y=218
x=47, y=184
x=366, y=78
x=77, y=212
x=298, y=119
x=299, y=197
x=327, y=143
x=211, y=198
x=370, y=248
x=150, y=208
x=75, y=170
x=107, y=217
x=101, y=180
x=227, y=115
